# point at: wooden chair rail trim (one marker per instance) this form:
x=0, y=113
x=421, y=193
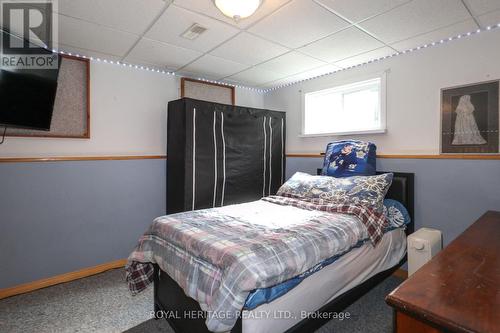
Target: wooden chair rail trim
x=79, y=158
x=427, y=157
x=66, y=277
x=292, y=155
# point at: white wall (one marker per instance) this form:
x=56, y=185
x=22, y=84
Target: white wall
x=128, y=106
x=413, y=94
x=127, y=112
x=247, y=97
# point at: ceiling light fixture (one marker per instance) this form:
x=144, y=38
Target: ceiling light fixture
x=238, y=9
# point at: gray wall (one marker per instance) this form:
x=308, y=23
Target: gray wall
x=449, y=194
x=64, y=216
x=57, y=217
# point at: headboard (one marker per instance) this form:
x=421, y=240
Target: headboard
x=402, y=190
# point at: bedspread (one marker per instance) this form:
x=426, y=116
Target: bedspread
x=219, y=255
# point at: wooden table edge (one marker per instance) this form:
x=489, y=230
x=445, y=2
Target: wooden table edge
x=425, y=316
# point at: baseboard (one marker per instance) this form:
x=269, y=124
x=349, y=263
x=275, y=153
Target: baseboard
x=66, y=277
x=71, y=276
x=401, y=273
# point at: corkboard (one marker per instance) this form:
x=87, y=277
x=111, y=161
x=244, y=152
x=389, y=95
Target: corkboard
x=207, y=91
x=71, y=115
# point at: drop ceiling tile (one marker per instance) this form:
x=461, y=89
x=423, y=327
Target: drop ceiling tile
x=255, y=76
x=197, y=76
x=490, y=19
x=207, y=7
x=214, y=66
x=303, y=76
x=118, y=14
x=341, y=45
x=176, y=20
x=365, y=57
x=141, y=63
x=272, y=84
x=248, y=49
x=436, y=35
x=414, y=18
x=85, y=35
x=87, y=53
x=357, y=10
x=316, y=72
x=276, y=83
x=233, y=82
x=479, y=7
x=298, y=23
x=161, y=54
x=291, y=63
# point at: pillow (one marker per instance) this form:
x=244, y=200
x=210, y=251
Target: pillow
x=368, y=191
x=350, y=158
x=396, y=213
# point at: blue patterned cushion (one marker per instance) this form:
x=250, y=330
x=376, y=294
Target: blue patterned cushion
x=350, y=158
x=396, y=213
x=368, y=191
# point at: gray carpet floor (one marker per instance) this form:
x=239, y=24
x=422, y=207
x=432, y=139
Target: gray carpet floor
x=102, y=303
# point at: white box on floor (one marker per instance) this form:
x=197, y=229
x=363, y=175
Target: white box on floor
x=422, y=246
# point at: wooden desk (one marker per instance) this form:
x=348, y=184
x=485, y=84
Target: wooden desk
x=459, y=289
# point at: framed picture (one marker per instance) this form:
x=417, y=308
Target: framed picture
x=207, y=91
x=469, y=119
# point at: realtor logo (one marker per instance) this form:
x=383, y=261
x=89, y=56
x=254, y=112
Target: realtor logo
x=28, y=35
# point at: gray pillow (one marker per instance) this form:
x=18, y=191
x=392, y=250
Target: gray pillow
x=367, y=191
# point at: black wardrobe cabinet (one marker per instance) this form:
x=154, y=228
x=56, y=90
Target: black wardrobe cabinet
x=220, y=154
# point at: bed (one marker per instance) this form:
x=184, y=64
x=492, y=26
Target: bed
x=343, y=282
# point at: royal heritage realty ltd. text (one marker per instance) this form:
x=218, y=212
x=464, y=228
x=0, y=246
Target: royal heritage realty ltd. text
x=245, y=314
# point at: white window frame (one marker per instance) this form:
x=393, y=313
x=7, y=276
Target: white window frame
x=383, y=105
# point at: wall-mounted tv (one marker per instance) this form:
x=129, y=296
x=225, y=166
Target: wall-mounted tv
x=27, y=96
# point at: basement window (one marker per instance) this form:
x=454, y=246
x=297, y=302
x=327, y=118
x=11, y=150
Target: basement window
x=354, y=108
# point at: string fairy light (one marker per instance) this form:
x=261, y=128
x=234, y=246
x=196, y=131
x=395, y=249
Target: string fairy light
x=150, y=69
x=407, y=51
x=267, y=90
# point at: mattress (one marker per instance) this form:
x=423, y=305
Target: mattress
x=219, y=255
x=317, y=290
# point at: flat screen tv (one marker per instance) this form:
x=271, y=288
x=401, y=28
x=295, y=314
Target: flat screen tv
x=27, y=96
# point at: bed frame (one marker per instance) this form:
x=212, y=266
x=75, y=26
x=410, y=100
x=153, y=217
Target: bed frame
x=171, y=299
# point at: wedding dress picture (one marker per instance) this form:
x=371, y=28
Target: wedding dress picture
x=466, y=130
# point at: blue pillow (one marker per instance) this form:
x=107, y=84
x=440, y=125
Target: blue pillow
x=396, y=213
x=350, y=158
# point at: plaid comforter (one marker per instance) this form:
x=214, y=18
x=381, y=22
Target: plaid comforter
x=218, y=256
